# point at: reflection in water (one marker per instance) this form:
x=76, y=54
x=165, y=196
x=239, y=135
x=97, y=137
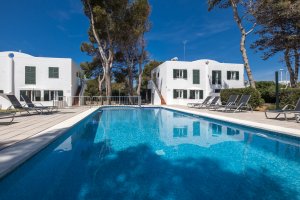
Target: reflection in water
x=182, y=129
x=159, y=154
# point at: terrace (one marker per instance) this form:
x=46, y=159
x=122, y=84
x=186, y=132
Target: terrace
x=30, y=133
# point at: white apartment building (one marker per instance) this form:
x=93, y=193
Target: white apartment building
x=40, y=78
x=180, y=82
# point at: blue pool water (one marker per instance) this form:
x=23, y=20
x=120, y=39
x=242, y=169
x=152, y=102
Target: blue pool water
x=153, y=153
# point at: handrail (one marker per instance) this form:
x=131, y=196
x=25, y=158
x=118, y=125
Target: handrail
x=67, y=101
x=163, y=102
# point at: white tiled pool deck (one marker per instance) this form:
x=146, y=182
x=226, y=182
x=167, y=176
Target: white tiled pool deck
x=29, y=134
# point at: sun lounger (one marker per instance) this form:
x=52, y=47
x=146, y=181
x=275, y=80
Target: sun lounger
x=285, y=111
x=214, y=102
x=240, y=105
x=40, y=107
x=297, y=117
x=205, y=102
x=19, y=107
x=231, y=101
x=7, y=115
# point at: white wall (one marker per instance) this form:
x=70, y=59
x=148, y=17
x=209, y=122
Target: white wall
x=206, y=67
x=67, y=74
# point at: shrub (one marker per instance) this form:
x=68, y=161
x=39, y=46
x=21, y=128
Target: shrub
x=289, y=96
x=267, y=90
x=255, y=100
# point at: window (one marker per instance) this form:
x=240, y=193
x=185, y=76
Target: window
x=180, y=73
x=231, y=131
x=215, y=129
x=1, y=91
x=180, y=131
x=30, y=75
x=196, y=76
x=216, y=77
x=179, y=94
x=50, y=95
x=33, y=95
x=196, y=94
x=53, y=72
x=233, y=75
x=217, y=90
x=196, y=128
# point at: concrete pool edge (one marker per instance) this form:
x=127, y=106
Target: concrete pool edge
x=267, y=127
x=17, y=154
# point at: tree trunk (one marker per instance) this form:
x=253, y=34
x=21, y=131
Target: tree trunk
x=130, y=79
x=289, y=67
x=242, y=43
x=106, y=60
x=246, y=60
x=138, y=91
x=108, y=80
x=100, y=82
x=297, y=60
x=141, y=60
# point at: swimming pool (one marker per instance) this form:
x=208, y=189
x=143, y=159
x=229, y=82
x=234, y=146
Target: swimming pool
x=155, y=153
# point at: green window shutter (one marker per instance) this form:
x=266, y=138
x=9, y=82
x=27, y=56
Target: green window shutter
x=192, y=94
x=200, y=94
x=53, y=72
x=213, y=77
x=220, y=77
x=196, y=128
x=184, y=94
x=196, y=76
x=185, y=74
x=237, y=75
x=228, y=75
x=175, y=94
x=30, y=75
x=174, y=73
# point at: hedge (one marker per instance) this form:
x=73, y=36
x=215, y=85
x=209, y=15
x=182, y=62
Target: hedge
x=255, y=100
x=267, y=90
x=289, y=96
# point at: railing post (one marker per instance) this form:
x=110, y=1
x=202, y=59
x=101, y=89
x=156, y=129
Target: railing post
x=139, y=101
x=277, y=90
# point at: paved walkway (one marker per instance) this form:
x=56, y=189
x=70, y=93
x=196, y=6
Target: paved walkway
x=257, y=118
x=25, y=126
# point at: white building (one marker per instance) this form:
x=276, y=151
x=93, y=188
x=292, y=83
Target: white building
x=42, y=79
x=179, y=82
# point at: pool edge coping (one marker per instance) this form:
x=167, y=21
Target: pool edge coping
x=9, y=164
x=15, y=155
x=266, y=127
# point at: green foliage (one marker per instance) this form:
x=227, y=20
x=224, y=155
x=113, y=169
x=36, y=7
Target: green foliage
x=278, y=32
x=289, y=96
x=92, y=88
x=255, y=100
x=286, y=96
x=119, y=89
x=278, y=28
x=147, y=72
x=92, y=69
x=116, y=38
x=267, y=90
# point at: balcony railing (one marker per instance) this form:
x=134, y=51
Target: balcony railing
x=67, y=101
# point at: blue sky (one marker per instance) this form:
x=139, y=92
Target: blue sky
x=56, y=28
